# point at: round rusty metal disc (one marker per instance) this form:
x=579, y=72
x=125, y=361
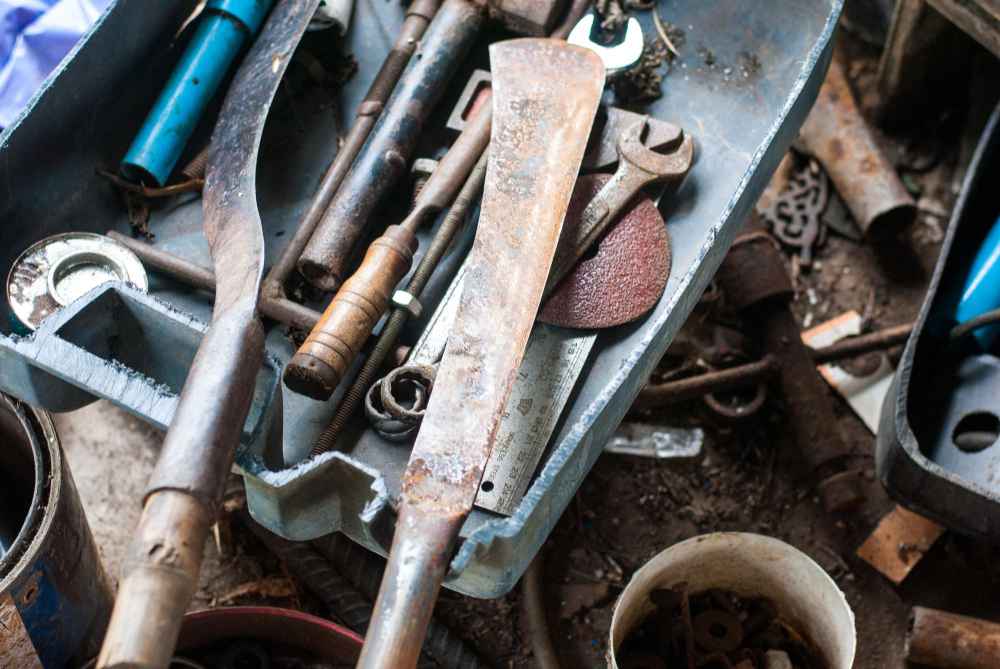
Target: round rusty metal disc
x=625, y=278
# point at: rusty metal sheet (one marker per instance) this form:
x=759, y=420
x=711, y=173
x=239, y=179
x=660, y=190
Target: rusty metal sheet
x=545, y=95
x=899, y=543
x=532, y=170
x=626, y=276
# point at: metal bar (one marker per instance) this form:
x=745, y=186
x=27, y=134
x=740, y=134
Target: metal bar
x=280, y=309
x=663, y=394
x=942, y=639
x=418, y=17
x=382, y=160
x=185, y=490
x=838, y=136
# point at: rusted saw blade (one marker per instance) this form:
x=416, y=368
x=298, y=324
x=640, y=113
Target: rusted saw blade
x=627, y=275
x=545, y=95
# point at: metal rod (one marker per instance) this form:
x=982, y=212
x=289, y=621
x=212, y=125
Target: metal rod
x=364, y=570
x=752, y=373
x=382, y=160
x=942, y=639
x=837, y=135
x=280, y=309
x=320, y=364
x=418, y=17
x=185, y=490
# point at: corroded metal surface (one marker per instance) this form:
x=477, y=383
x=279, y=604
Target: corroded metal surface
x=756, y=282
x=418, y=16
x=185, y=490
x=637, y=168
x=838, y=137
x=545, y=95
x=201, y=442
x=742, y=127
x=55, y=598
x=382, y=160
x=941, y=639
x=626, y=276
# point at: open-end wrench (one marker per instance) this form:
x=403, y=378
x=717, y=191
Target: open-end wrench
x=638, y=167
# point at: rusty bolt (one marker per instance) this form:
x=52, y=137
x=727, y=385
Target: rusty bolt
x=421, y=171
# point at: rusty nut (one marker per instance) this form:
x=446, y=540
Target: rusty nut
x=423, y=168
x=411, y=305
x=535, y=18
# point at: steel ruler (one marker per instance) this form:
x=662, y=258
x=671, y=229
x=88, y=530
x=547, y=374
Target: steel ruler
x=549, y=370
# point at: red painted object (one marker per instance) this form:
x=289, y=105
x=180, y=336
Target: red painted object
x=263, y=624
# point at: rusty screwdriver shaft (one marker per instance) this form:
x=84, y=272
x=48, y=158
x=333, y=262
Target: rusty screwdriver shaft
x=323, y=359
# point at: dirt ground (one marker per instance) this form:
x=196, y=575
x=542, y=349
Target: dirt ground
x=748, y=477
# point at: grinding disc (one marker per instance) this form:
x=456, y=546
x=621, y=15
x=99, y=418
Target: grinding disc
x=625, y=278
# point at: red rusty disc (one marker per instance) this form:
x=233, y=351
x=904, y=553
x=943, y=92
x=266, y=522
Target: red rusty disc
x=626, y=277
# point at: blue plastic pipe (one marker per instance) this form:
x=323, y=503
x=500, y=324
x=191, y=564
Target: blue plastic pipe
x=224, y=27
x=981, y=291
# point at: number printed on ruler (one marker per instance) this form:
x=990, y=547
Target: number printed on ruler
x=552, y=363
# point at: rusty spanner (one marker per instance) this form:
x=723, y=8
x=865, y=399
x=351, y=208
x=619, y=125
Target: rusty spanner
x=638, y=166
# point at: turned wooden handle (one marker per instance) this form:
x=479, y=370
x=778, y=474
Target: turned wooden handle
x=321, y=362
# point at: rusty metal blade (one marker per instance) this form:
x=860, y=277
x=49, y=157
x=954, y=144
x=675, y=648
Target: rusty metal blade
x=545, y=96
x=206, y=427
x=184, y=492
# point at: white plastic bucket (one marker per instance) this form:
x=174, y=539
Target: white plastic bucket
x=751, y=565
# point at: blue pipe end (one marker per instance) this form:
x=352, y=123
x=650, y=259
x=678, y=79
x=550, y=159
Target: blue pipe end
x=981, y=290
x=224, y=28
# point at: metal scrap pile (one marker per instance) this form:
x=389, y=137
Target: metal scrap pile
x=414, y=336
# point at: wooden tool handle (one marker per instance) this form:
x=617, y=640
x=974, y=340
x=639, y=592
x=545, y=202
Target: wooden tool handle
x=321, y=362
x=158, y=580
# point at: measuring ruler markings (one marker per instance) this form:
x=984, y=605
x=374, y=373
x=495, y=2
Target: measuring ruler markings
x=549, y=370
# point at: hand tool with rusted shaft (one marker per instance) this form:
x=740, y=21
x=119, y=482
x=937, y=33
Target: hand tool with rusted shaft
x=637, y=168
x=418, y=17
x=382, y=160
x=322, y=360
x=394, y=324
x=837, y=135
x=182, y=501
x=545, y=95
x=756, y=283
